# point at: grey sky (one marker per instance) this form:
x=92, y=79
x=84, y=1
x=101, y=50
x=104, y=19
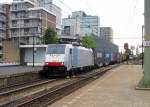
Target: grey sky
x=124, y=16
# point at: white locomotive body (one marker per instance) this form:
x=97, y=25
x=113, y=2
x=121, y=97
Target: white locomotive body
x=64, y=59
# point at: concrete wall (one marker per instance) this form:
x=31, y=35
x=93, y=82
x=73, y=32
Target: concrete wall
x=39, y=56
x=11, y=52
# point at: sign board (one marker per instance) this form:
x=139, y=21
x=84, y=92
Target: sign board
x=146, y=43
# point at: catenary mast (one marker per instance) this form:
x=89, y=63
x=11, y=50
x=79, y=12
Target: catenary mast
x=146, y=79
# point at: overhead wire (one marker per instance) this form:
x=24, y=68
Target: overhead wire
x=88, y=6
x=92, y=11
x=65, y=5
x=68, y=8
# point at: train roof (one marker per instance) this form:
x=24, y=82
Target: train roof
x=102, y=44
x=70, y=45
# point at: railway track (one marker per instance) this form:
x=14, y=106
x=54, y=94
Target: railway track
x=17, y=92
x=53, y=90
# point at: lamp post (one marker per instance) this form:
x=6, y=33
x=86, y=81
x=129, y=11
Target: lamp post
x=142, y=45
x=33, y=49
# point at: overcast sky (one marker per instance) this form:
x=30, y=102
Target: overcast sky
x=124, y=16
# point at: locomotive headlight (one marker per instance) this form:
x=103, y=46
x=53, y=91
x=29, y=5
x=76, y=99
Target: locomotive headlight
x=46, y=63
x=62, y=63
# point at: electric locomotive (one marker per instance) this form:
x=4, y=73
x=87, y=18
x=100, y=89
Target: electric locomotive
x=66, y=59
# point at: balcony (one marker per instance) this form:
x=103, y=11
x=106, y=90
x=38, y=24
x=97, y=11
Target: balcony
x=34, y=16
x=2, y=11
x=2, y=19
x=17, y=26
x=2, y=35
x=3, y=28
x=18, y=9
x=26, y=18
x=1, y=52
x=25, y=35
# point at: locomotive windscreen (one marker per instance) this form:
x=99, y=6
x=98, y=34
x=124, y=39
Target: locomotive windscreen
x=56, y=49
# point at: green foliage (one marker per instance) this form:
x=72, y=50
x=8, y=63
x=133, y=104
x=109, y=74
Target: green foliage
x=50, y=36
x=88, y=42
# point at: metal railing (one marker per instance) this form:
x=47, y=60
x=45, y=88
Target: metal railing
x=1, y=43
x=23, y=35
x=25, y=17
x=18, y=9
x=25, y=25
x=1, y=52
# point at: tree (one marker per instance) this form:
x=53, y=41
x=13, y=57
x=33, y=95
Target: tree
x=50, y=36
x=88, y=42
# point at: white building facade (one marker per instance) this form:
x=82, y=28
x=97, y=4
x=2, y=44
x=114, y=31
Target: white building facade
x=89, y=24
x=71, y=27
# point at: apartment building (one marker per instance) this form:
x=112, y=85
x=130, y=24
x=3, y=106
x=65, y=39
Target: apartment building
x=48, y=4
x=28, y=21
x=21, y=23
x=3, y=20
x=88, y=24
x=106, y=33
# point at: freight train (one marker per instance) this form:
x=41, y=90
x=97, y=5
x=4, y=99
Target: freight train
x=67, y=59
x=105, y=52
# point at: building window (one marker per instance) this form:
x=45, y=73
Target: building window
x=15, y=7
x=67, y=30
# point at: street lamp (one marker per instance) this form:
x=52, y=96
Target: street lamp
x=34, y=49
x=142, y=45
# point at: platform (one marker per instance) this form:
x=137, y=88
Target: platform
x=15, y=70
x=12, y=75
x=115, y=89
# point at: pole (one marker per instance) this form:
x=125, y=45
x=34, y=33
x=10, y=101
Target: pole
x=145, y=83
x=33, y=50
x=142, y=46
x=76, y=27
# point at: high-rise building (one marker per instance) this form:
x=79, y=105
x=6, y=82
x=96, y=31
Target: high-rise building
x=88, y=24
x=71, y=27
x=106, y=33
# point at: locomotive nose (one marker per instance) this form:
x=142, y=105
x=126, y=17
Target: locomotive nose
x=54, y=64
x=62, y=63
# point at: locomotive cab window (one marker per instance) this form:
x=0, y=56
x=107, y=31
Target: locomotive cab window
x=70, y=51
x=56, y=50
